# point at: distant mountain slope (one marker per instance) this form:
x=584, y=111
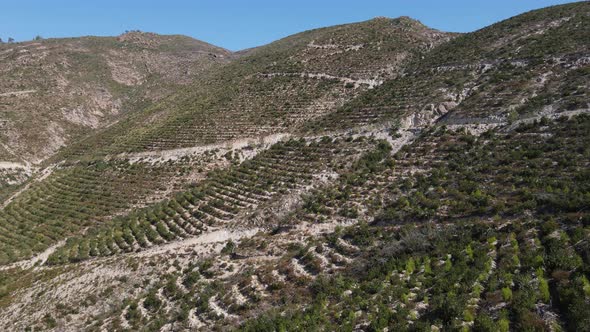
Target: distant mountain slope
x=274, y=88
x=533, y=63
x=53, y=91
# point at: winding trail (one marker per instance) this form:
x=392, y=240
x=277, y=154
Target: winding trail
x=371, y=83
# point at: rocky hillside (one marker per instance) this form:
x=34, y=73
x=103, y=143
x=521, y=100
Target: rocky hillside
x=54, y=91
x=230, y=107
x=530, y=65
x=377, y=176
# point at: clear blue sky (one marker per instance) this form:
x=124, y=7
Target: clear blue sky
x=241, y=24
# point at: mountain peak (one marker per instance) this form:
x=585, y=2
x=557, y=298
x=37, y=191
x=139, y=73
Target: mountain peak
x=137, y=36
x=405, y=21
x=381, y=18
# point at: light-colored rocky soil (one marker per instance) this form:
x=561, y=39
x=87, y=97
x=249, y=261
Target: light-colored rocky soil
x=223, y=147
x=17, y=93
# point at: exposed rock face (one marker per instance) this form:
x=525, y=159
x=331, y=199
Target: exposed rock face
x=81, y=84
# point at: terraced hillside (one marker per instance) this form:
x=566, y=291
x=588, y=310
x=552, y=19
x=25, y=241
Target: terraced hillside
x=274, y=88
x=535, y=63
x=499, y=238
x=378, y=176
x=56, y=90
x=222, y=200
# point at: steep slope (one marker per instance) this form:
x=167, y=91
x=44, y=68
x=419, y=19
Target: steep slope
x=54, y=91
x=527, y=65
x=229, y=102
x=452, y=196
x=274, y=88
x=511, y=251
